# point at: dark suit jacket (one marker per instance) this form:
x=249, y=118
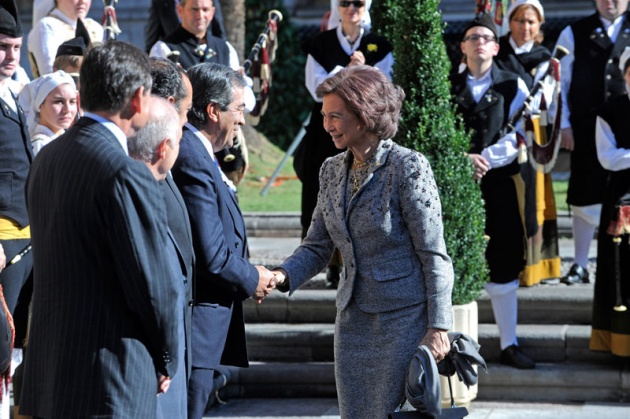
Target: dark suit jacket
x=223, y=277
x=16, y=155
x=179, y=223
x=163, y=20
x=104, y=319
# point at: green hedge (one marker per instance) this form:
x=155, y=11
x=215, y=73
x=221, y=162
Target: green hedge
x=429, y=124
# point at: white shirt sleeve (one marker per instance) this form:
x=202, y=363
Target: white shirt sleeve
x=315, y=74
x=567, y=40
x=43, y=44
x=386, y=65
x=610, y=156
x=504, y=151
x=159, y=50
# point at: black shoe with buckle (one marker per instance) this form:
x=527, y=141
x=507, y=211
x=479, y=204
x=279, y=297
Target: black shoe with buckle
x=514, y=357
x=576, y=275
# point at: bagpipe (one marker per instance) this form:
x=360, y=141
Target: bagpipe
x=258, y=62
x=541, y=152
x=233, y=160
x=109, y=21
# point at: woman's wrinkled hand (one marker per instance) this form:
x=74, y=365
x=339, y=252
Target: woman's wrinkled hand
x=437, y=342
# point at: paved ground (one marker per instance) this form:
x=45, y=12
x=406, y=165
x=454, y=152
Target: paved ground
x=272, y=251
x=327, y=408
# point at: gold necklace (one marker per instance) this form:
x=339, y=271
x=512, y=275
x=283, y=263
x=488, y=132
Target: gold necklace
x=359, y=166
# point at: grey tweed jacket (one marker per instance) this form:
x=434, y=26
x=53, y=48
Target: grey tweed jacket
x=390, y=235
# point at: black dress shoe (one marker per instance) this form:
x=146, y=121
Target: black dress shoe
x=576, y=275
x=513, y=357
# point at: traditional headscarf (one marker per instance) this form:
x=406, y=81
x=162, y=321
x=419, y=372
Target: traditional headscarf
x=36, y=92
x=535, y=3
x=505, y=28
x=335, y=19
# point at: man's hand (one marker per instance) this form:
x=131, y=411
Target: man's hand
x=266, y=283
x=437, y=342
x=280, y=274
x=164, y=383
x=480, y=165
x=566, y=138
x=357, y=58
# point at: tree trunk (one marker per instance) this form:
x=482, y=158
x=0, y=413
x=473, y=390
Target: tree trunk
x=234, y=23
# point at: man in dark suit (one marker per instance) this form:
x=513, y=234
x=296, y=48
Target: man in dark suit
x=157, y=146
x=103, y=334
x=171, y=83
x=163, y=20
x=223, y=276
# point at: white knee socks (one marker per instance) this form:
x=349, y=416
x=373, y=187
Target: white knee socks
x=505, y=308
x=583, y=233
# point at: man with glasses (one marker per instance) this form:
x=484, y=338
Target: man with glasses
x=486, y=97
x=223, y=275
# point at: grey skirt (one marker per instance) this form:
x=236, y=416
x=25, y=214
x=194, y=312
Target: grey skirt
x=372, y=354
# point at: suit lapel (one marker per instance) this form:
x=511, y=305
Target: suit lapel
x=20, y=120
x=228, y=196
x=379, y=161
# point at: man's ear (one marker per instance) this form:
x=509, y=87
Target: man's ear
x=213, y=111
x=161, y=148
x=138, y=101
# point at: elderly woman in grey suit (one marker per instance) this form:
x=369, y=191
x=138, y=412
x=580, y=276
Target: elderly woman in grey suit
x=379, y=205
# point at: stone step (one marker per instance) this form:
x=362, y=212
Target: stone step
x=287, y=224
x=543, y=304
x=313, y=342
x=557, y=382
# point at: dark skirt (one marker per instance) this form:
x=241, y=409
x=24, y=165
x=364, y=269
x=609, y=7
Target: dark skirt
x=372, y=355
x=611, y=329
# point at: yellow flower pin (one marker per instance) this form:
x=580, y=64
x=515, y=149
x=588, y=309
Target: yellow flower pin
x=372, y=47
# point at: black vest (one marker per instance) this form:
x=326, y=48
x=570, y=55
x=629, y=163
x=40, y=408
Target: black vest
x=327, y=51
x=523, y=65
x=616, y=114
x=487, y=118
x=16, y=156
x=187, y=44
x=596, y=77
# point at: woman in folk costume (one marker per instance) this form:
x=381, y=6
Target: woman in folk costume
x=57, y=21
x=611, y=318
x=520, y=52
x=50, y=104
x=348, y=45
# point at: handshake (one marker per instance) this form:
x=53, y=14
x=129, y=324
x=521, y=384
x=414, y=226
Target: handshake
x=267, y=281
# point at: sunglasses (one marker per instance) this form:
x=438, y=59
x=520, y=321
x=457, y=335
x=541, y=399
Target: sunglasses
x=356, y=4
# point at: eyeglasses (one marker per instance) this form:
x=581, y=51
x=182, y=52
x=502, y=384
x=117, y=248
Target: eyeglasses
x=475, y=38
x=356, y=4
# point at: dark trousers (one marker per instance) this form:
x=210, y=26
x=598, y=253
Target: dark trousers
x=200, y=387
x=14, y=276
